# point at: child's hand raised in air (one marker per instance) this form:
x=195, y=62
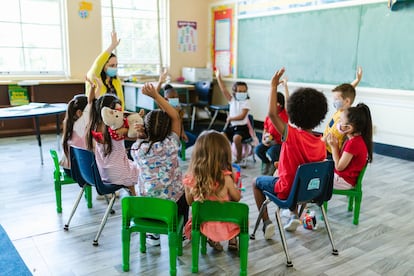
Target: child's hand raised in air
x=359, y=73
x=217, y=73
x=276, y=77
x=149, y=90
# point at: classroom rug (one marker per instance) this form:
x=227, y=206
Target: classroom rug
x=10, y=261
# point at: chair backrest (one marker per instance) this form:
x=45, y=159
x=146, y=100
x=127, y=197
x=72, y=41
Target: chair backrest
x=358, y=186
x=313, y=183
x=228, y=211
x=204, y=92
x=55, y=158
x=164, y=210
x=85, y=169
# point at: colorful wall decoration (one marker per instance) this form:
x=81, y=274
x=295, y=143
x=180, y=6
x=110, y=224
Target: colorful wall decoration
x=187, y=36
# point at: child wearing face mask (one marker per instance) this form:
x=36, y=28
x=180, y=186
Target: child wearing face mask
x=237, y=129
x=171, y=95
x=356, y=124
x=343, y=97
x=105, y=67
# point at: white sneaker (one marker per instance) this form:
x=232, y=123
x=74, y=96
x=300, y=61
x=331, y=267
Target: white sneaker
x=292, y=224
x=153, y=239
x=268, y=230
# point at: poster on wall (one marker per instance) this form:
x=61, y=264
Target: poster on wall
x=222, y=37
x=187, y=36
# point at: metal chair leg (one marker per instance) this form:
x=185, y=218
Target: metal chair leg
x=283, y=237
x=193, y=117
x=75, y=206
x=259, y=217
x=104, y=219
x=328, y=229
x=213, y=119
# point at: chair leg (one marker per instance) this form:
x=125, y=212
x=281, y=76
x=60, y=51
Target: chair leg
x=243, y=251
x=357, y=209
x=259, y=217
x=172, y=243
x=104, y=219
x=75, y=206
x=350, y=203
x=142, y=242
x=58, y=194
x=283, y=237
x=213, y=119
x=195, y=244
x=88, y=195
x=193, y=117
x=126, y=244
x=328, y=229
x=182, y=150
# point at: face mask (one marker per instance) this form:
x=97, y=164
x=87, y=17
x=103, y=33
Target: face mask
x=338, y=104
x=341, y=128
x=111, y=71
x=241, y=96
x=174, y=102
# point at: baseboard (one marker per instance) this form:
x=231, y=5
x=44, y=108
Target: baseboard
x=394, y=151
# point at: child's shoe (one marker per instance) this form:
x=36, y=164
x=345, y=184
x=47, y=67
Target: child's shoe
x=268, y=229
x=233, y=246
x=153, y=239
x=215, y=245
x=292, y=224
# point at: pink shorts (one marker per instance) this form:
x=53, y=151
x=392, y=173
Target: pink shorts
x=341, y=184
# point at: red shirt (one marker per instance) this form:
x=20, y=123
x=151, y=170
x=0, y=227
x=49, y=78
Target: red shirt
x=269, y=127
x=355, y=146
x=299, y=147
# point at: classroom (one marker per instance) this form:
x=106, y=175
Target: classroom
x=319, y=43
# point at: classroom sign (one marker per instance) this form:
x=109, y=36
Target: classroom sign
x=187, y=36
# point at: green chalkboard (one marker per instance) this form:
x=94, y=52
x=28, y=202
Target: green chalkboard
x=326, y=46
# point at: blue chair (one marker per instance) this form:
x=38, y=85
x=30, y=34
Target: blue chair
x=217, y=108
x=204, y=92
x=85, y=171
x=313, y=183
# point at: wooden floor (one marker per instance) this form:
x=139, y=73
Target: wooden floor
x=382, y=244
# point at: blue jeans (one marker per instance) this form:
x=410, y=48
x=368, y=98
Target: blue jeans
x=264, y=152
x=266, y=183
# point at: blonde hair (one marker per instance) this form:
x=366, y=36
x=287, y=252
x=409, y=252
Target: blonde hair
x=211, y=155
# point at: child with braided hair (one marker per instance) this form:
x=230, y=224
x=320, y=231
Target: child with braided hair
x=156, y=155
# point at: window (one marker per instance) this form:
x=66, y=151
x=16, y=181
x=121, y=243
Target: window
x=136, y=25
x=32, y=38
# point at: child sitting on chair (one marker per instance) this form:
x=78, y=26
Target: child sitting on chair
x=356, y=124
x=306, y=108
x=237, y=129
x=210, y=177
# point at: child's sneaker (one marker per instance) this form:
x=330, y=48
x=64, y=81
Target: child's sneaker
x=268, y=229
x=153, y=239
x=292, y=224
x=215, y=245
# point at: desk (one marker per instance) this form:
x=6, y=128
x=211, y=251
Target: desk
x=135, y=100
x=35, y=110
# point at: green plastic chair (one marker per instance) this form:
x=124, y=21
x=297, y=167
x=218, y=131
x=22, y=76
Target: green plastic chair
x=354, y=196
x=61, y=178
x=228, y=211
x=151, y=215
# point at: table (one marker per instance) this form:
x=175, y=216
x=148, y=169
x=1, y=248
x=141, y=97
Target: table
x=35, y=110
x=135, y=100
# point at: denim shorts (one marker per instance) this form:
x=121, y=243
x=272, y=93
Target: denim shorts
x=266, y=183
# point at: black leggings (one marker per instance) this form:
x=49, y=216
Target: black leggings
x=183, y=208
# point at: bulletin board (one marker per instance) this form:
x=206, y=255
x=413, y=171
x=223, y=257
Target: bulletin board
x=222, y=47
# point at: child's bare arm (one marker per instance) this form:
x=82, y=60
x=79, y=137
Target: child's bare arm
x=234, y=193
x=161, y=79
x=149, y=90
x=278, y=123
x=223, y=88
x=95, y=88
x=358, y=77
x=241, y=116
x=285, y=85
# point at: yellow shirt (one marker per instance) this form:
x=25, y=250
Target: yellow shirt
x=96, y=70
x=332, y=128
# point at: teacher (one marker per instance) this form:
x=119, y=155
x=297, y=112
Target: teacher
x=105, y=66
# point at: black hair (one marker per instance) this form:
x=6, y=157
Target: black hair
x=157, y=126
x=109, y=87
x=78, y=102
x=238, y=83
x=307, y=108
x=106, y=100
x=360, y=118
x=347, y=90
x=281, y=99
x=167, y=89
